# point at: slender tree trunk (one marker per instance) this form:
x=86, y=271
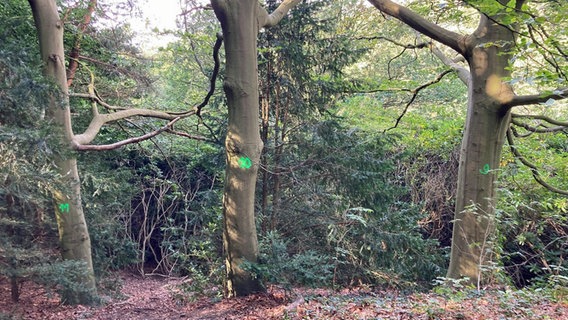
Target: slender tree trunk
x=265, y=117
x=73, y=233
x=240, y=21
x=240, y=28
x=278, y=145
x=74, y=55
x=486, y=125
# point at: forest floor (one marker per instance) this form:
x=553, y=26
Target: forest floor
x=157, y=298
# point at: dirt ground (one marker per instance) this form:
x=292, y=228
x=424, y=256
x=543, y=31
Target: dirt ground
x=154, y=298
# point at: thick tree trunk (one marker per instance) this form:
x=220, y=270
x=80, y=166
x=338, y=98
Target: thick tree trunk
x=241, y=21
x=73, y=234
x=243, y=144
x=484, y=134
x=487, y=51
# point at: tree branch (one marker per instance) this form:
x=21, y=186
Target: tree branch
x=212, y=80
x=81, y=141
x=532, y=167
x=74, y=55
x=449, y=38
x=462, y=72
x=536, y=129
x=415, y=94
x=557, y=94
x=99, y=120
x=122, y=143
x=270, y=20
x=541, y=117
x=406, y=46
x=193, y=137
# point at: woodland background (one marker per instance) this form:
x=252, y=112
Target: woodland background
x=361, y=125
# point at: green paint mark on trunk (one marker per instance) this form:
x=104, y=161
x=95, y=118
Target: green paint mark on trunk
x=245, y=162
x=64, y=207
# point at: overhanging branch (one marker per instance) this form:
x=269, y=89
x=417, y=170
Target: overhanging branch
x=558, y=94
x=452, y=39
x=122, y=143
x=541, y=117
x=81, y=141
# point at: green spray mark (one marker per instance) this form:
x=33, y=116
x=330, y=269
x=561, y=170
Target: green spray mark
x=245, y=162
x=485, y=169
x=64, y=207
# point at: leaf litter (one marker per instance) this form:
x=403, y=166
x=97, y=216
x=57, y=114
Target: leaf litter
x=153, y=298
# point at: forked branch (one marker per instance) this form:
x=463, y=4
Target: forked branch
x=81, y=141
x=540, y=128
x=270, y=20
x=122, y=143
x=541, y=117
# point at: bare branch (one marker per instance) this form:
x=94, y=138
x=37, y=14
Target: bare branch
x=532, y=167
x=519, y=135
x=80, y=141
x=382, y=90
x=452, y=39
x=557, y=94
x=212, y=80
x=122, y=143
x=536, y=129
x=462, y=72
x=415, y=94
x=406, y=46
x=191, y=136
x=99, y=120
x=270, y=20
x=541, y=117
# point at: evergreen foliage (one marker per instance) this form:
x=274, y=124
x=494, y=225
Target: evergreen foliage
x=340, y=201
x=28, y=232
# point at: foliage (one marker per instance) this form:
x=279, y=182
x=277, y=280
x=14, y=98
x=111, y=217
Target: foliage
x=27, y=176
x=347, y=172
x=277, y=265
x=533, y=223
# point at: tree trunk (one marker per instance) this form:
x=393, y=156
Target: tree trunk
x=240, y=28
x=484, y=134
x=73, y=234
x=487, y=52
x=241, y=21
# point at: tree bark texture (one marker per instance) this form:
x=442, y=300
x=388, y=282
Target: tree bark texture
x=73, y=233
x=240, y=21
x=486, y=125
x=487, y=52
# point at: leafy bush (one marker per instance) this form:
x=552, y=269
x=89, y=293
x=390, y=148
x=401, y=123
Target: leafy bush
x=276, y=265
x=533, y=226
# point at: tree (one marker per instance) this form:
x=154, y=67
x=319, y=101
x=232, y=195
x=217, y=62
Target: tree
x=74, y=236
x=488, y=51
x=241, y=21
